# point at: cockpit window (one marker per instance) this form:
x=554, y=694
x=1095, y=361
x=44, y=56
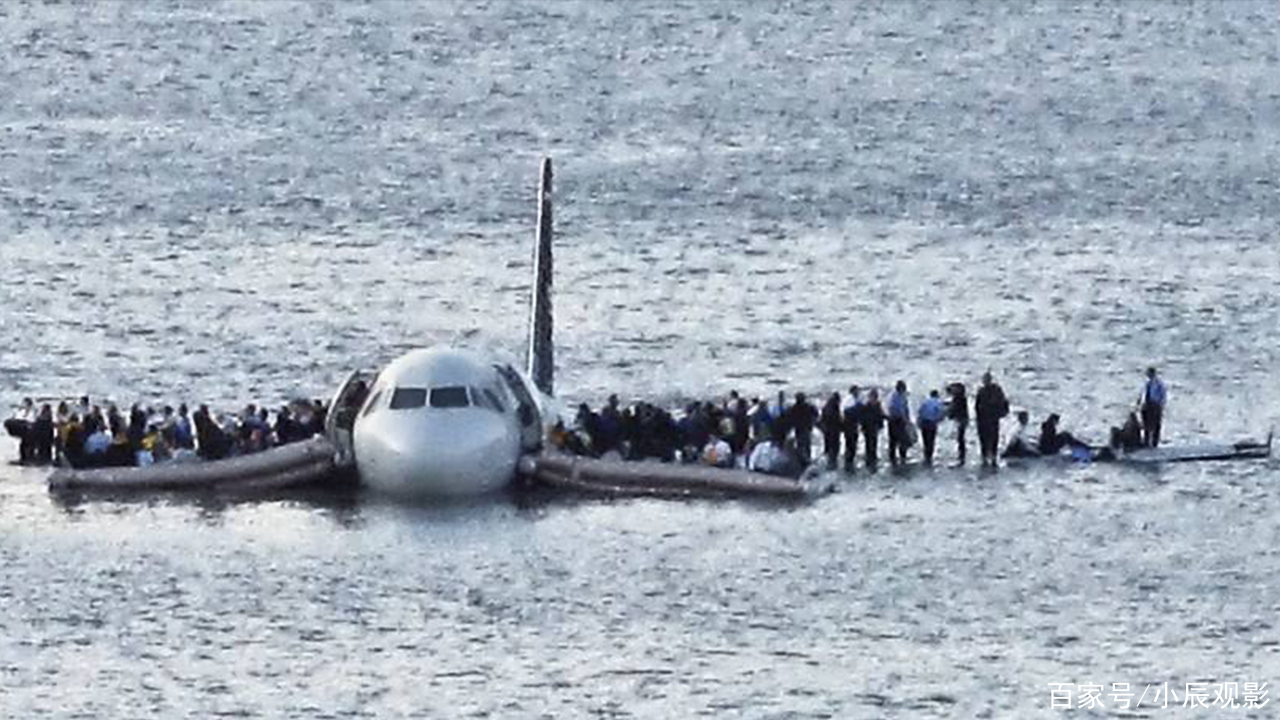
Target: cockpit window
x=372, y=402
x=486, y=399
x=408, y=398
x=493, y=398
x=453, y=396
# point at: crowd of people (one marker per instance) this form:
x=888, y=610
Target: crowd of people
x=85, y=435
x=737, y=432
x=777, y=438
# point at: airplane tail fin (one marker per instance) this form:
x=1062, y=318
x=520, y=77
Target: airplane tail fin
x=541, y=352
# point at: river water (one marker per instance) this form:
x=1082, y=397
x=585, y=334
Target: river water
x=240, y=201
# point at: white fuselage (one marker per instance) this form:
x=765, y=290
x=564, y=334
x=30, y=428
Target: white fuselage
x=439, y=422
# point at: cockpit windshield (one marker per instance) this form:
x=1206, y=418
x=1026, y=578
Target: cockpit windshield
x=406, y=398
x=453, y=396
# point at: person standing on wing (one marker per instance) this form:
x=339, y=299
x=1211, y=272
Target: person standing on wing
x=958, y=412
x=899, y=419
x=831, y=422
x=930, y=415
x=852, y=426
x=1154, y=397
x=990, y=406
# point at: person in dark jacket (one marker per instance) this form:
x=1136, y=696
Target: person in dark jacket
x=212, y=441
x=801, y=417
x=832, y=424
x=852, y=427
x=20, y=428
x=1052, y=440
x=137, y=427
x=958, y=412
x=41, y=436
x=990, y=406
x=872, y=421
x=609, y=426
x=741, y=426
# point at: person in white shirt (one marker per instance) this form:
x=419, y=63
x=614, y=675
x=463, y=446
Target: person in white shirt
x=1020, y=443
x=717, y=453
x=772, y=458
x=19, y=426
x=27, y=411
x=97, y=445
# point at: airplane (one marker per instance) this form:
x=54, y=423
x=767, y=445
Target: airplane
x=443, y=421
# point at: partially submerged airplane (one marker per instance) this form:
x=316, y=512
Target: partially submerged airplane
x=442, y=421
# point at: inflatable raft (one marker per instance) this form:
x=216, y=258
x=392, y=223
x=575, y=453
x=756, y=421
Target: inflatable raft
x=285, y=466
x=1202, y=452
x=1245, y=450
x=659, y=479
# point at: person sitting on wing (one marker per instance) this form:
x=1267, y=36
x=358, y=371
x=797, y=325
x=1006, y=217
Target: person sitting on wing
x=1020, y=444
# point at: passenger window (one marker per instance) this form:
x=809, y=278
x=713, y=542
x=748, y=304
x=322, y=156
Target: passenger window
x=408, y=398
x=454, y=396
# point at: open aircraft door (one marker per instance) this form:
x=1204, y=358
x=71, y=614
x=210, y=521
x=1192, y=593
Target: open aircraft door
x=527, y=412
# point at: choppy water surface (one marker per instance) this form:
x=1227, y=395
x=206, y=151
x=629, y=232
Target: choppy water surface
x=241, y=201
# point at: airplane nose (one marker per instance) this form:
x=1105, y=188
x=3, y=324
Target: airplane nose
x=458, y=456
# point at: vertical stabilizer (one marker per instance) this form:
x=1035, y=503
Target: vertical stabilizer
x=541, y=359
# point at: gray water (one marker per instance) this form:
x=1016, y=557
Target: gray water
x=242, y=201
